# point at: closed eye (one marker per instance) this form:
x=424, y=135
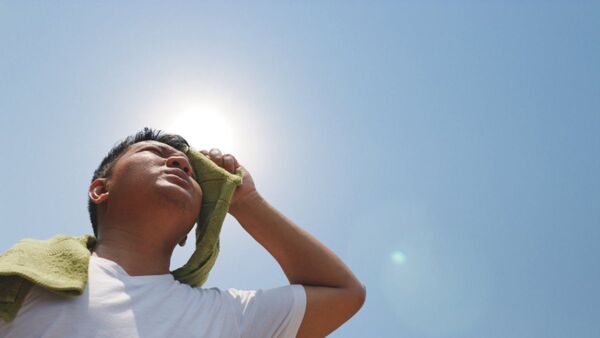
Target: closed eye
x=155, y=150
x=160, y=153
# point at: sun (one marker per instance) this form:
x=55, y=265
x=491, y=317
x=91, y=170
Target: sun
x=204, y=128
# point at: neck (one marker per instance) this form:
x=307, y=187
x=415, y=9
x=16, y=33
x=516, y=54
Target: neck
x=137, y=255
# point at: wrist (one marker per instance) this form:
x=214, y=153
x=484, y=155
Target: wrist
x=247, y=203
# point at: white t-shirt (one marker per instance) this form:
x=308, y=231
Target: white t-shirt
x=115, y=304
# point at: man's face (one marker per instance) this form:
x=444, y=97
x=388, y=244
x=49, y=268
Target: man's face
x=153, y=178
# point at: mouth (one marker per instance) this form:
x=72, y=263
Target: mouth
x=178, y=177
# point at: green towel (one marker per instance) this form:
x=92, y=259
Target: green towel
x=60, y=264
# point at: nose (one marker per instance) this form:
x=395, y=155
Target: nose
x=180, y=162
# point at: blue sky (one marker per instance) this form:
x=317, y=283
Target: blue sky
x=447, y=152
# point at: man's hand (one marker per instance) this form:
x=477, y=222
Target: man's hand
x=244, y=192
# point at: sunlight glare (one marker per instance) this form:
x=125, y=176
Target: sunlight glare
x=204, y=128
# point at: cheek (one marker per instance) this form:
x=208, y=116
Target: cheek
x=137, y=176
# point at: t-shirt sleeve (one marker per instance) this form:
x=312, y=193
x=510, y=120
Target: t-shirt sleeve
x=276, y=312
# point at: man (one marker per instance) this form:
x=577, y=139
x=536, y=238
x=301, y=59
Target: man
x=143, y=200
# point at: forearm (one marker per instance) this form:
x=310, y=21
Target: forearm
x=302, y=257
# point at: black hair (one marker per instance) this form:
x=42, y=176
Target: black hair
x=107, y=164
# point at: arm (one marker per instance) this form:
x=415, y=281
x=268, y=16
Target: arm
x=333, y=293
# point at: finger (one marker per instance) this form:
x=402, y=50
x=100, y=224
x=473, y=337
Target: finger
x=218, y=160
x=205, y=152
x=229, y=163
x=216, y=156
x=241, y=169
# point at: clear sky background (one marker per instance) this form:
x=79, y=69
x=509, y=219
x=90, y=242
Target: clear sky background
x=449, y=153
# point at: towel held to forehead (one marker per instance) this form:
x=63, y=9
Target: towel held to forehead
x=60, y=264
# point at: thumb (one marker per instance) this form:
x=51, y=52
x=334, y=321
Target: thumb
x=242, y=170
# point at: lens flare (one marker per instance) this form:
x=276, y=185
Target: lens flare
x=444, y=290
x=398, y=257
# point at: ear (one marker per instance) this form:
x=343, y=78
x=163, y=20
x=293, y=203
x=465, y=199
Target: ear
x=98, y=191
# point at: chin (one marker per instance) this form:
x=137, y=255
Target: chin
x=191, y=223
